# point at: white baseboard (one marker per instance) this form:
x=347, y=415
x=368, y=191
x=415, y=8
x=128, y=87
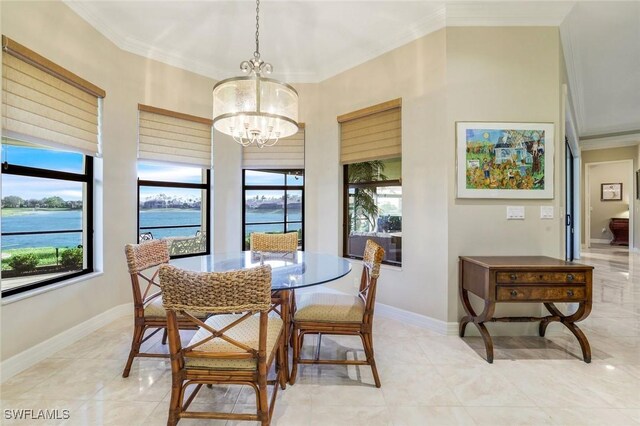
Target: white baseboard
x=25, y=359
x=600, y=241
x=418, y=320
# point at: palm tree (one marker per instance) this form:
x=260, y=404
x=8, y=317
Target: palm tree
x=364, y=206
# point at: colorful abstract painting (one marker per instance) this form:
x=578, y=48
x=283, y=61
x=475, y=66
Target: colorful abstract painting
x=505, y=160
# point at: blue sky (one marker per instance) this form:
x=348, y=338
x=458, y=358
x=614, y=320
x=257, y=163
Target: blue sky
x=35, y=188
x=28, y=188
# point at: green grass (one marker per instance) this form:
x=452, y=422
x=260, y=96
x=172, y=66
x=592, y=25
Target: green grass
x=46, y=255
x=6, y=211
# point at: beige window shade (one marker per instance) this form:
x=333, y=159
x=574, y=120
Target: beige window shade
x=287, y=153
x=173, y=137
x=46, y=104
x=373, y=133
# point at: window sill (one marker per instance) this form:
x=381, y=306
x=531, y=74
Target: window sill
x=27, y=294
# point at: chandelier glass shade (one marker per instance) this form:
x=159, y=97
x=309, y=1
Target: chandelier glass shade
x=253, y=108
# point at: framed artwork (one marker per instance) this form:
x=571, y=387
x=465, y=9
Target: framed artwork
x=638, y=184
x=611, y=191
x=504, y=160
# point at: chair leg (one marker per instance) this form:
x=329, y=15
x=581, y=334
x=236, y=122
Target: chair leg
x=263, y=408
x=164, y=336
x=281, y=365
x=367, y=340
x=138, y=332
x=297, y=343
x=175, y=402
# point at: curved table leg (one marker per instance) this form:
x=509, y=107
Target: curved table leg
x=569, y=321
x=488, y=343
x=542, y=329
x=478, y=320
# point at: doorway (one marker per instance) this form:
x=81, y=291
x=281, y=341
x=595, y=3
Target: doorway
x=601, y=207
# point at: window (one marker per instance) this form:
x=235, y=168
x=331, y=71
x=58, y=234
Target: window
x=273, y=202
x=174, y=203
x=47, y=216
x=371, y=152
x=373, y=208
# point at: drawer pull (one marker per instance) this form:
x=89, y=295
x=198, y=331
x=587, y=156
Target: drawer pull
x=514, y=293
x=570, y=293
x=513, y=276
x=570, y=277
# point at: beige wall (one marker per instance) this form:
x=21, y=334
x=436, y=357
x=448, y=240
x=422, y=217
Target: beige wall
x=501, y=74
x=603, y=155
x=416, y=73
x=603, y=211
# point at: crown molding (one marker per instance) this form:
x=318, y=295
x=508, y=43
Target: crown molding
x=430, y=23
x=451, y=14
x=611, y=140
x=500, y=14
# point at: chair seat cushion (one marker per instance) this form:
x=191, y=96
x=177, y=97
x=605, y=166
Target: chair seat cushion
x=246, y=332
x=155, y=309
x=329, y=307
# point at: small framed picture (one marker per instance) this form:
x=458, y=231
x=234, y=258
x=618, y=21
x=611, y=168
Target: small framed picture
x=611, y=192
x=638, y=184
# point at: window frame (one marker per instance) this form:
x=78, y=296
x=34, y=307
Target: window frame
x=88, y=220
x=345, y=209
x=185, y=185
x=284, y=188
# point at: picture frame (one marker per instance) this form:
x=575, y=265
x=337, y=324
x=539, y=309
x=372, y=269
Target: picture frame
x=611, y=191
x=638, y=184
x=504, y=160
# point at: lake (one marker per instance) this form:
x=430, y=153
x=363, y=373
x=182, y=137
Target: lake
x=52, y=220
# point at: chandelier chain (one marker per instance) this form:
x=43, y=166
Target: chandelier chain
x=256, y=54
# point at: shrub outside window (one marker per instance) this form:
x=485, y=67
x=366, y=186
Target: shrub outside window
x=373, y=208
x=47, y=216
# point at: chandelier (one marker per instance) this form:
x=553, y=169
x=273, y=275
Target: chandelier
x=252, y=108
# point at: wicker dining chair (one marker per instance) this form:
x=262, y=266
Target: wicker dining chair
x=327, y=313
x=142, y=261
x=237, y=344
x=273, y=243
x=278, y=245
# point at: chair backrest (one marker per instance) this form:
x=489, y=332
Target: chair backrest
x=244, y=292
x=371, y=261
x=141, y=258
x=274, y=243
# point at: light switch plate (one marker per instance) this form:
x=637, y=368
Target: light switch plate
x=515, y=212
x=546, y=212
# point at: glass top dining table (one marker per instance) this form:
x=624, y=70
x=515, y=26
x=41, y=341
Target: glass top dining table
x=289, y=271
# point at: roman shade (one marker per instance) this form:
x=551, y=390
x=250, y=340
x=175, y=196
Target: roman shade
x=373, y=133
x=174, y=137
x=45, y=104
x=287, y=153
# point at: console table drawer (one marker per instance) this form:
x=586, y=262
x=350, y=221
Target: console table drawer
x=540, y=277
x=541, y=293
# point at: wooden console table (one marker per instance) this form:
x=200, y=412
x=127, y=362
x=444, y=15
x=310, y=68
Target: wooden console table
x=525, y=279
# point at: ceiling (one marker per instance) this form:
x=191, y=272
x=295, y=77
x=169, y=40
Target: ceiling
x=310, y=41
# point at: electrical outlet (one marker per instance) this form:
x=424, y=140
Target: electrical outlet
x=515, y=212
x=546, y=212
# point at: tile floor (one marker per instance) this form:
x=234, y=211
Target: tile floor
x=427, y=379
